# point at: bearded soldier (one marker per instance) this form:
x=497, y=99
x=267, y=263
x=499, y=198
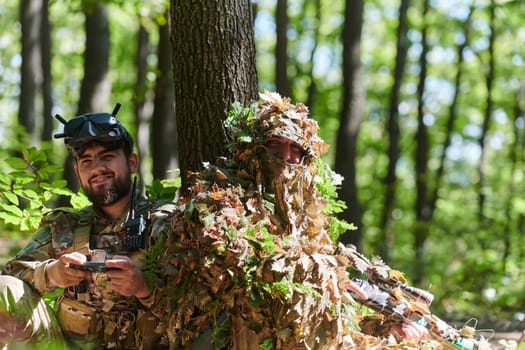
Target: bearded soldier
x=95, y=255
x=250, y=262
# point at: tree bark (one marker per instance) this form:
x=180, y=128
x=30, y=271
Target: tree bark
x=139, y=100
x=386, y=241
x=31, y=71
x=350, y=119
x=213, y=66
x=45, y=32
x=489, y=79
x=96, y=86
x=282, y=82
x=422, y=209
x=163, y=124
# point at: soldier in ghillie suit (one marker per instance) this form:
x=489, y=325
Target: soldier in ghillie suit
x=250, y=259
x=95, y=255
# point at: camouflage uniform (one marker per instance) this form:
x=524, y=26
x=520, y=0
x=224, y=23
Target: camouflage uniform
x=244, y=240
x=91, y=315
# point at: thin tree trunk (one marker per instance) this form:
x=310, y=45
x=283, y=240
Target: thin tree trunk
x=139, y=101
x=386, y=240
x=312, y=88
x=214, y=66
x=422, y=209
x=163, y=124
x=513, y=157
x=45, y=39
x=453, y=108
x=31, y=72
x=282, y=82
x=350, y=119
x=483, y=162
x=96, y=86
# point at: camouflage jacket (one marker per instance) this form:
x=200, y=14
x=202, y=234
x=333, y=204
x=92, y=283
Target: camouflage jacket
x=65, y=230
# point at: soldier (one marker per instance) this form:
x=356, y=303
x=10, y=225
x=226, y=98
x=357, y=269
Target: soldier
x=96, y=255
x=249, y=260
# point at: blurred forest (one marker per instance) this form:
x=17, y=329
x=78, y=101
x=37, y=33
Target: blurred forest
x=422, y=102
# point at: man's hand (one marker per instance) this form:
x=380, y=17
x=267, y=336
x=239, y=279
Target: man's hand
x=61, y=275
x=351, y=286
x=127, y=279
x=411, y=330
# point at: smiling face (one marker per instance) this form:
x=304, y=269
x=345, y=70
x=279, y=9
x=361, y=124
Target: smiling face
x=105, y=175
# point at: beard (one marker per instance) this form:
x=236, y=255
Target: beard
x=110, y=194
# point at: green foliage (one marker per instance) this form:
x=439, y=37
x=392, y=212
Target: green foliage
x=237, y=118
x=165, y=189
x=28, y=185
x=327, y=182
x=267, y=344
x=151, y=263
x=261, y=239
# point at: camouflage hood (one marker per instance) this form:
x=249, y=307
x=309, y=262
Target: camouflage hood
x=276, y=116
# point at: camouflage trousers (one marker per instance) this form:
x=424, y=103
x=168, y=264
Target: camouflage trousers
x=26, y=321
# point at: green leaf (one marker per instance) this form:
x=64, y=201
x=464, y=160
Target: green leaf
x=16, y=163
x=9, y=219
x=5, y=179
x=11, y=197
x=12, y=209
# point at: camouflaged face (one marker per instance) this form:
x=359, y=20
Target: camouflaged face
x=276, y=116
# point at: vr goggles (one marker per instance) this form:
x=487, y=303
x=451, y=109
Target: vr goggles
x=103, y=128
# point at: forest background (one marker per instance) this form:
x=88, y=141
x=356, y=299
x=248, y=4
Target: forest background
x=422, y=102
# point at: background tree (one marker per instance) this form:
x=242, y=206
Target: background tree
x=282, y=84
x=31, y=72
x=96, y=86
x=487, y=114
x=385, y=241
x=163, y=125
x=141, y=89
x=422, y=208
x=47, y=78
x=350, y=119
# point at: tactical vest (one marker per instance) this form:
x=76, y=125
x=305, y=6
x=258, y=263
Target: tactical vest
x=96, y=321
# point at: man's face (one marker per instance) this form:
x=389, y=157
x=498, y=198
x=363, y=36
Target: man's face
x=285, y=149
x=105, y=175
x=282, y=153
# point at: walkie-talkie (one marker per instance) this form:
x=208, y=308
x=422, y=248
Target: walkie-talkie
x=135, y=226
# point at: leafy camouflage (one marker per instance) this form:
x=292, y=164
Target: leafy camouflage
x=249, y=261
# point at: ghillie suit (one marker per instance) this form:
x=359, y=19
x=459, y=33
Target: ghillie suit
x=249, y=260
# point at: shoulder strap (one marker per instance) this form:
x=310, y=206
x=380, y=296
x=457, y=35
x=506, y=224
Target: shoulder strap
x=82, y=231
x=70, y=230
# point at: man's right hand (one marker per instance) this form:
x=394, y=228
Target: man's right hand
x=61, y=275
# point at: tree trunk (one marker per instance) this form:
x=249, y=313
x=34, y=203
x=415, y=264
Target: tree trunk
x=281, y=47
x=213, y=66
x=96, y=87
x=422, y=209
x=385, y=242
x=350, y=119
x=508, y=241
x=31, y=71
x=45, y=39
x=483, y=162
x=163, y=124
x=139, y=100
